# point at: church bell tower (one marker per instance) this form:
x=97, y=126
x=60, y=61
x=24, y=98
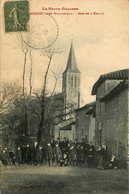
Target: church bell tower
x=71, y=80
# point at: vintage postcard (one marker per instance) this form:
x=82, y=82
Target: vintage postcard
x=64, y=96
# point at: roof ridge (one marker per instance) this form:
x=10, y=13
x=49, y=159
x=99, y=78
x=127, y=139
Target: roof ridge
x=118, y=71
x=122, y=74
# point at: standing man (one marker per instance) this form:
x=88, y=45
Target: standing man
x=12, y=156
x=28, y=154
x=57, y=154
x=24, y=149
x=85, y=149
x=44, y=152
x=81, y=155
x=50, y=154
x=19, y=155
x=39, y=155
x=105, y=157
x=90, y=154
x=5, y=157
x=64, y=146
x=34, y=149
x=72, y=155
x=100, y=157
x=59, y=142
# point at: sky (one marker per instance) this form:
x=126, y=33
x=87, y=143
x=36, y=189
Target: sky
x=101, y=42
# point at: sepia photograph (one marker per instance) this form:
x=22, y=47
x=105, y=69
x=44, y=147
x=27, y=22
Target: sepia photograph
x=64, y=95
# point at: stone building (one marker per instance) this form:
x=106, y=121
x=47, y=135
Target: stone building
x=65, y=129
x=111, y=92
x=64, y=121
x=85, y=123
x=71, y=80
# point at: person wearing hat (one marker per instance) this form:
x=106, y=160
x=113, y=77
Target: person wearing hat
x=76, y=142
x=28, y=154
x=85, y=149
x=12, y=156
x=5, y=157
x=33, y=154
x=39, y=154
x=24, y=149
x=68, y=151
x=19, y=155
x=64, y=146
x=50, y=154
x=100, y=157
x=104, y=146
x=59, y=142
x=44, y=151
x=81, y=155
x=90, y=154
x=52, y=143
x=57, y=154
x=72, y=155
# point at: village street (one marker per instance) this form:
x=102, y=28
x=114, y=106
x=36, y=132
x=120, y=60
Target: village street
x=41, y=179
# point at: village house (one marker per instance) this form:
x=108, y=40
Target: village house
x=85, y=123
x=111, y=92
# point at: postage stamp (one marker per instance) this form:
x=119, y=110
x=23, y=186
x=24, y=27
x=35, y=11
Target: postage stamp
x=16, y=14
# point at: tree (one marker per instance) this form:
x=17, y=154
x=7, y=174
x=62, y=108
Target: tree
x=26, y=49
x=49, y=53
x=10, y=94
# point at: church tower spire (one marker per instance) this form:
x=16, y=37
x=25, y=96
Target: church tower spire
x=71, y=80
x=71, y=64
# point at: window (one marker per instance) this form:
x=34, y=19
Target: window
x=72, y=81
x=68, y=79
x=75, y=82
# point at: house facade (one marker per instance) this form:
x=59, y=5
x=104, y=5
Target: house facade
x=116, y=120
x=85, y=123
x=111, y=92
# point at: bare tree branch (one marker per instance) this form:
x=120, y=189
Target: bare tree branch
x=30, y=79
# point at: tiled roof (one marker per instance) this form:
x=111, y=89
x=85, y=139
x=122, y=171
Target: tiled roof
x=119, y=88
x=65, y=123
x=91, y=104
x=115, y=75
x=67, y=127
x=59, y=95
